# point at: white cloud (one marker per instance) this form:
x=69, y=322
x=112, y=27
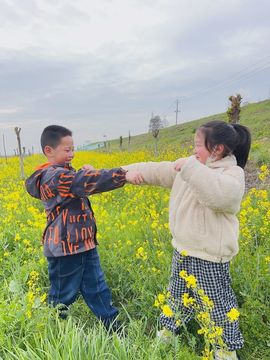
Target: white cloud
x=9, y=110
x=106, y=65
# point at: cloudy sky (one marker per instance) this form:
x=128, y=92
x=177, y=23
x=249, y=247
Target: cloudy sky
x=101, y=67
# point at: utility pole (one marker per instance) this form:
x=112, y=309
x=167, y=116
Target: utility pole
x=176, y=112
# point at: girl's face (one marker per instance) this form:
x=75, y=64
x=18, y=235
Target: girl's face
x=200, y=151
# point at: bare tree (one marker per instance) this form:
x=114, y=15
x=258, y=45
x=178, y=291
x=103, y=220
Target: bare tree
x=165, y=122
x=154, y=126
x=129, y=140
x=17, y=131
x=105, y=142
x=121, y=142
x=233, y=112
x=4, y=146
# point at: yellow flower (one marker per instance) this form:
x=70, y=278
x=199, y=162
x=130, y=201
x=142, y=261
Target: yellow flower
x=161, y=298
x=17, y=237
x=206, y=301
x=201, y=331
x=203, y=316
x=191, y=281
x=201, y=292
x=43, y=298
x=141, y=254
x=183, y=274
x=188, y=300
x=167, y=311
x=233, y=314
x=183, y=253
x=263, y=168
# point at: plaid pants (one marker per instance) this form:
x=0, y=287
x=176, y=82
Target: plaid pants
x=215, y=280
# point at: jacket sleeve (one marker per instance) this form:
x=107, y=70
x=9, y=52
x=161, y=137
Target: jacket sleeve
x=155, y=173
x=221, y=191
x=88, y=182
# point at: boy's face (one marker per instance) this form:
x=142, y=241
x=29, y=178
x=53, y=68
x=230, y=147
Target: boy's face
x=200, y=151
x=64, y=151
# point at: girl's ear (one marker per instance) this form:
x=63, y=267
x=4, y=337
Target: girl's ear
x=219, y=149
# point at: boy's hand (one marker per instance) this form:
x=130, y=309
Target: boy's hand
x=178, y=164
x=88, y=167
x=134, y=177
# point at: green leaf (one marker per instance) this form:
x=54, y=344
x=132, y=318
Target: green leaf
x=14, y=286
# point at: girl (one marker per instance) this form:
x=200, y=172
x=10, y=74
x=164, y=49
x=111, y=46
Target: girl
x=206, y=193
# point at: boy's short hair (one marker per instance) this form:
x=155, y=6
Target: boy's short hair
x=52, y=136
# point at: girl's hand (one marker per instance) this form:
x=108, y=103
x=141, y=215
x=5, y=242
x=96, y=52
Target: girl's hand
x=134, y=177
x=179, y=163
x=88, y=167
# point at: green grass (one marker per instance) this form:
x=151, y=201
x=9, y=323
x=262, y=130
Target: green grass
x=256, y=116
x=133, y=282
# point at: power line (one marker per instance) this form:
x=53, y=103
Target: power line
x=242, y=75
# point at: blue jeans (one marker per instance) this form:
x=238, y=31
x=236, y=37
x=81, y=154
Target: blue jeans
x=82, y=273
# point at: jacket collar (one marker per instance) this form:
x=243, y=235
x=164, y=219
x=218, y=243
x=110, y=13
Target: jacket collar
x=225, y=162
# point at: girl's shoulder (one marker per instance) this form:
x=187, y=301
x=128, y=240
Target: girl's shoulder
x=236, y=172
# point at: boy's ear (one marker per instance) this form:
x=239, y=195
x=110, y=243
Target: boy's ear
x=48, y=150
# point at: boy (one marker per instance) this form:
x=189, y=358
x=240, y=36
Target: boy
x=69, y=238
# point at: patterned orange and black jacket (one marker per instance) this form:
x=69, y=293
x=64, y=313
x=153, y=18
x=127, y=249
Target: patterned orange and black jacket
x=71, y=225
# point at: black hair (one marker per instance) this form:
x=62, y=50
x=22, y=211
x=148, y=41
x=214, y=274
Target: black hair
x=52, y=136
x=236, y=139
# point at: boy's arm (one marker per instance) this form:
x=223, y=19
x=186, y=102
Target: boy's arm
x=221, y=191
x=155, y=173
x=88, y=182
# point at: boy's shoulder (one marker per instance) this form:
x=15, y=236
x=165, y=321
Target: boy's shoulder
x=53, y=169
x=48, y=177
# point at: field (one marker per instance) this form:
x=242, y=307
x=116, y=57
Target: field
x=135, y=249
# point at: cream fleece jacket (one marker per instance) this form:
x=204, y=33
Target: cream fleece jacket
x=204, y=201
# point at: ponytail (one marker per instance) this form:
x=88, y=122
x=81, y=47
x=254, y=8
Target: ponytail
x=243, y=143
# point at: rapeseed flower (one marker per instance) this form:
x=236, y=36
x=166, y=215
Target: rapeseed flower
x=233, y=314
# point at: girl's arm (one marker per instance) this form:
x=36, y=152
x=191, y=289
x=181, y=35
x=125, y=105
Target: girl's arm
x=155, y=173
x=221, y=191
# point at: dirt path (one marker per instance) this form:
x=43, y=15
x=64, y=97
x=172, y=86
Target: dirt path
x=251, y=172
